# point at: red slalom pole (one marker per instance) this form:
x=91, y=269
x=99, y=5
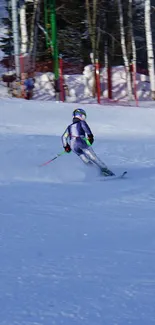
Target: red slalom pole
x=47, y=162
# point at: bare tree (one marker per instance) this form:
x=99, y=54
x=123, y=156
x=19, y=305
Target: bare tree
x=23, y=28
x=131, y=46
x=94, y=34
x=150, y=54
x=92, y=28
x=124, y=50
x=34, y=32
x=15, y=36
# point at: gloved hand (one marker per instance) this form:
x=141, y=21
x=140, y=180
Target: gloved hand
x=67, y=148
x=91, y=138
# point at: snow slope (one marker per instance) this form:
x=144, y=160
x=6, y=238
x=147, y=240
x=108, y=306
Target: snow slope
x=75, y=249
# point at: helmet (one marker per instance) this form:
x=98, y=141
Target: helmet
x=80, y=113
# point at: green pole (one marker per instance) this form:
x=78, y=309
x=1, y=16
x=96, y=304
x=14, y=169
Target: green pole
x=54, y=40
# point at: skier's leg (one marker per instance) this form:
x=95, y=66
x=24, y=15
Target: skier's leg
x=85, y=159
x=77, y=147
x=90, y=154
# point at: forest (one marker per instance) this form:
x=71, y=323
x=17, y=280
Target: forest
x=114, y=32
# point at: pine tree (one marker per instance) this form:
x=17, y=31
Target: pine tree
x=74, y=41
x=7, y=41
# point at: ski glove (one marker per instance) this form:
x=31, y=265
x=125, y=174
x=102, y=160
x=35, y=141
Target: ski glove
x=91, y=138
x=67, y=148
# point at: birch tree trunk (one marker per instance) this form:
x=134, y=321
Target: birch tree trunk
x=15, y=36
x=23, y=29
x=132, y=41
x=150, y=54
x=131, y=32
x=124, y=50
x=34, y=33
x=91, y=19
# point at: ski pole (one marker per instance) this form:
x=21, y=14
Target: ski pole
x=58, y=155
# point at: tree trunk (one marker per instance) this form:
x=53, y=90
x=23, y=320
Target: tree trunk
x=133, y=50
x=124, y=50
x=34, y=33
x=91, y=19
x=23, y=29
x=150, y=54
x=15, y=36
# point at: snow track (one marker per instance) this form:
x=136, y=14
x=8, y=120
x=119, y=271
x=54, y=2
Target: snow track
x=75, y=250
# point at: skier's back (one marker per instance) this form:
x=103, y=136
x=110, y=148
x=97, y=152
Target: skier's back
x=80, y=138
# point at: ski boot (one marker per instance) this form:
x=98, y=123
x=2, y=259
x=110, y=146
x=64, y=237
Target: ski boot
x=106, y=172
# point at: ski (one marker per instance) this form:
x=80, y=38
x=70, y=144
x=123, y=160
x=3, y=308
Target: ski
x=108, y=178
x=122, y=175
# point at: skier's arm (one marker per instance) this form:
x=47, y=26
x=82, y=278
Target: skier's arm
x=88, y=131
x=64, y=138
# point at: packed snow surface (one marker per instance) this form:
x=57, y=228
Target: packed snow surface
x=75, y=249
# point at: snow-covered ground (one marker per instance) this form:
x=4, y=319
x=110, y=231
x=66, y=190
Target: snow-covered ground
x=80, y=86
x=75, y=249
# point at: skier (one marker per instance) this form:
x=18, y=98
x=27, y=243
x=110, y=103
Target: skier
x=29, y=85
x=80, y=139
